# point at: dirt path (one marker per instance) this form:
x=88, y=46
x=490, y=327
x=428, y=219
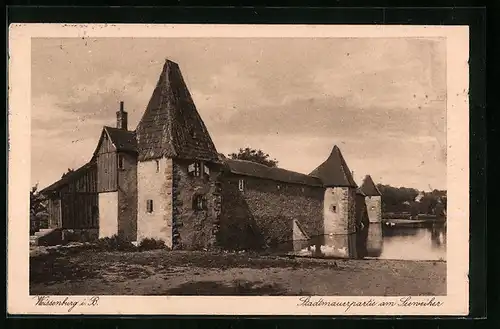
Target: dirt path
x=200, y=273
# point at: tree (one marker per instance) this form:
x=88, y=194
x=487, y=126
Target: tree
x=402, y=199
x=38, y=210
x=396, y=199
x=253, y=155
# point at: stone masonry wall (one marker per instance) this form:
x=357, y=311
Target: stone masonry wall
x=127, y=198
x=374, y=207
x=340, y=210
x=237, y=227
x=339, y=215
x=193, y=229
x=156, y=186
x=264, y=212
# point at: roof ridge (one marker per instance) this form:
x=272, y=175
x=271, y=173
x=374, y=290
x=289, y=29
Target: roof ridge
x=334, y=171
x=264, y=166
x=369, y=187
x=67, y=176
x=254, y=169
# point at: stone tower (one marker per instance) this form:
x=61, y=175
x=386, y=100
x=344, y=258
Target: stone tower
x=339, y=205
x=373, y=199
x=177, y=167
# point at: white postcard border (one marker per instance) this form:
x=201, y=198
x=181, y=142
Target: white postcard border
x=20, y=302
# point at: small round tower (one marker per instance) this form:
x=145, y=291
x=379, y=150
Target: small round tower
x=339, y=206
x=373, y=199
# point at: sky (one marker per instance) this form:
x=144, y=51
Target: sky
x=382, y=101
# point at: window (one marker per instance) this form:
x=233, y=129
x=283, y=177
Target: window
x=199, y=202
x=241, y=185
x=157, y=165
x=334, y=209
x=197, y=169
x=149, y=206
x=120, y=162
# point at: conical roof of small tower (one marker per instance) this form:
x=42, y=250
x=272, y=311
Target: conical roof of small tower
x=334, y=171
x=369, y=188
x=171, y=125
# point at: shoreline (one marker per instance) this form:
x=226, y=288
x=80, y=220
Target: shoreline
x=161, y=272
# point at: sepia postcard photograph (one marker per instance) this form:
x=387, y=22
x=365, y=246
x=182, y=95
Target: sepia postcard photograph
x=218, y=169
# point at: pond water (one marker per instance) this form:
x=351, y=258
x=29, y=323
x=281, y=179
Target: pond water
x=415, y=243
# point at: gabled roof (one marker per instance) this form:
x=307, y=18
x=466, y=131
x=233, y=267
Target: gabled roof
x=248, y=168
x=123, y=140
x=68, y=178
x=369, y=188
x=171, y=126
x=334, y=171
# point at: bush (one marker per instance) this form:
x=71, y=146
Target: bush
x=151, y=244
x=115, y=243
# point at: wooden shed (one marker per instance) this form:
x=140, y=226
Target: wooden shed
x=73, y=200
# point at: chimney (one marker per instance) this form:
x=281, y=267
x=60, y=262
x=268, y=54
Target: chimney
x=121, y=118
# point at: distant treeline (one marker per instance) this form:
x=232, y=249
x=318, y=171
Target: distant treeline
x=411, y=202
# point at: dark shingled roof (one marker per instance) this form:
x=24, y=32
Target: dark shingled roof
x=358, y=191
x=68, y=178
x=248, y=168
x=334, y=171
x=171, y=126
x=123, y=140
x=369, y=188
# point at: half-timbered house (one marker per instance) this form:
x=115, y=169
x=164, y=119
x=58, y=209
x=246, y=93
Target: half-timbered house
x=166, y=180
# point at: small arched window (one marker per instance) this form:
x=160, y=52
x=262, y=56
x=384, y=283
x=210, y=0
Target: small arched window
x=199, y=202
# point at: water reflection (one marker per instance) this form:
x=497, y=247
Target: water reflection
x=378, y=240
x=374, y=243
x=414, y=243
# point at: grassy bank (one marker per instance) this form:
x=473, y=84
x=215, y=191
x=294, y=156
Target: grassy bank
x=161, y=272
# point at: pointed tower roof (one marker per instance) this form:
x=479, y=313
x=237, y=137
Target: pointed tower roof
x=369, y=188
x=334, y=171
x=171, y=126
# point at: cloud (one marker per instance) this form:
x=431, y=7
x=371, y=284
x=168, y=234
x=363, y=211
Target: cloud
x=412, y=163
x=97, y=100
x=382, y=100
x=71, y=125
